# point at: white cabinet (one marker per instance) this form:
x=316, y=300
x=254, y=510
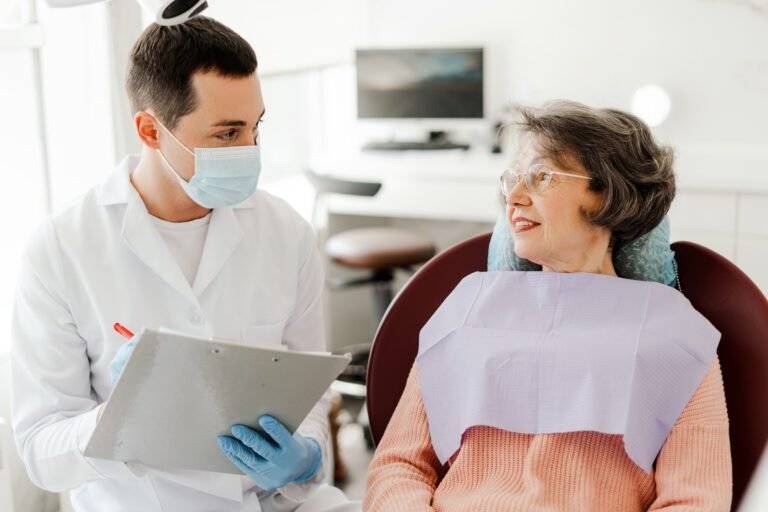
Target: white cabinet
x=724, y=245
x=727, y=213
x=752, y=237
x=732, y=223
x=704, y=211
x=752, y=258
x=753, y=215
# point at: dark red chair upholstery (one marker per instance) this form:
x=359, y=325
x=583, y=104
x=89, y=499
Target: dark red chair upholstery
x=724, y=294
x=714, y=285
x=397, y=339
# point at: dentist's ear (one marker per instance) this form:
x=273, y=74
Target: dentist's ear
x=146, y=129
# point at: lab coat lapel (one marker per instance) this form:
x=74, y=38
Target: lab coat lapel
x=224, y=236
x=141, y=235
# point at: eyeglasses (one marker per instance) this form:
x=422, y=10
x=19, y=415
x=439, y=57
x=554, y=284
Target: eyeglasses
x=537, y=178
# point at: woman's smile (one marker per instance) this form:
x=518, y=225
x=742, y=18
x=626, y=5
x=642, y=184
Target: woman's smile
x=520, y=224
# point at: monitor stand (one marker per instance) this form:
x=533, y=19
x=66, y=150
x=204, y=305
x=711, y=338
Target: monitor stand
x=437, y=140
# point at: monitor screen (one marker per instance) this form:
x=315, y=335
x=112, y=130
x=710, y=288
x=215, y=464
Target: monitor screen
x=420, y=83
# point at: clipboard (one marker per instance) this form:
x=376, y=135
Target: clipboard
x=177, y=393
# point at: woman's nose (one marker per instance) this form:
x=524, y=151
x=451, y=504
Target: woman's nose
x=519, y=195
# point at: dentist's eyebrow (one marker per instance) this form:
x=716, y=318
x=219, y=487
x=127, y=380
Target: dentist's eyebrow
x=230, y=122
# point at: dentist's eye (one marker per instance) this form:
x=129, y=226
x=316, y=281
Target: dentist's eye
x=227, y=136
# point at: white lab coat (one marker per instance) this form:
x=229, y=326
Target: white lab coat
x=102, y=261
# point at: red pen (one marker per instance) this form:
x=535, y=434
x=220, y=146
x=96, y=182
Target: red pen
x=125, y=333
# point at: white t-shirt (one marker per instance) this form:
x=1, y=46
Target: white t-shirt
x=185, y=240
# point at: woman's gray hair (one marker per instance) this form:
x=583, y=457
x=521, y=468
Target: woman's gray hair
x=628, y=167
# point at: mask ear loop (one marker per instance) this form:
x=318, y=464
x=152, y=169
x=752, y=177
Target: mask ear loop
x=169, y=132
x=165, y=159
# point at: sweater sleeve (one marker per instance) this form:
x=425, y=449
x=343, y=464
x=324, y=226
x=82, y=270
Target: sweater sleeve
x=404, y=471
x=693, y=470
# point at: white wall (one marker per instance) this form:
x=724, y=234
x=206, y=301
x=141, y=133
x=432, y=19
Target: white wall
x=77, y=98
x=296, y=34
x=712, y=56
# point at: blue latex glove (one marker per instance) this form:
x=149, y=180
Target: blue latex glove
x=118, y=362
x=290, y=458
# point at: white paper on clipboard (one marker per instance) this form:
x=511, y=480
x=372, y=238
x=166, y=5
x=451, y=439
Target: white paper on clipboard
x=177, y=393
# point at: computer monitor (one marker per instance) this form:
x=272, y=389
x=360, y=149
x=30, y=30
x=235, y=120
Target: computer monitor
x=435, y=83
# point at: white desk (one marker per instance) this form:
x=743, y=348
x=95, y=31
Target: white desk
x=436, y=185
x=721, y=202
x=463, y=185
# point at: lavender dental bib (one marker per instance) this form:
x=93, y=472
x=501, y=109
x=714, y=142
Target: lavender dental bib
x=544, y=353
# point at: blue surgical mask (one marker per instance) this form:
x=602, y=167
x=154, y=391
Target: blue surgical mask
x=223, y=176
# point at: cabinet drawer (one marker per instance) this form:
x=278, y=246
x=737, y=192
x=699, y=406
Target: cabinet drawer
x=704, y=211
x=723, y=244
x=752, y=257
x=753, y=214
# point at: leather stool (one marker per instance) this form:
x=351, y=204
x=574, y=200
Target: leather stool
x=380, y=250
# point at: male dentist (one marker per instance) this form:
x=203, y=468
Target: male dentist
x=176, y=237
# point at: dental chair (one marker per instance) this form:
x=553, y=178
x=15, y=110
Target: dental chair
x=717, y=288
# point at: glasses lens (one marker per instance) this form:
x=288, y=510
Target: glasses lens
x=509, y=179
x=537, y=178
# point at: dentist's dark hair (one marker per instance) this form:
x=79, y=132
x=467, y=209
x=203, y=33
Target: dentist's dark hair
x=163, y=60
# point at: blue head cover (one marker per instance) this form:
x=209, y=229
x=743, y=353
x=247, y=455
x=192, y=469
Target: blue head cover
x=647, y=258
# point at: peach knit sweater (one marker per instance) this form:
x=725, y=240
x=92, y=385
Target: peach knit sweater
x=496, y=470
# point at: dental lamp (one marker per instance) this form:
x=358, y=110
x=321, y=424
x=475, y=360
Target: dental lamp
x=652, y=104
x=166, y=12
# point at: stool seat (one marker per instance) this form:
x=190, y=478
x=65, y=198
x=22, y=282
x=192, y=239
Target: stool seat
x=379, y=248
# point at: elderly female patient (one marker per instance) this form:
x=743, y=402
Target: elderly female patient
x=571, y=388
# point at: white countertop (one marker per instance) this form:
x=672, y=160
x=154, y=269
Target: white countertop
x=697, y=167
x=463, y=185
